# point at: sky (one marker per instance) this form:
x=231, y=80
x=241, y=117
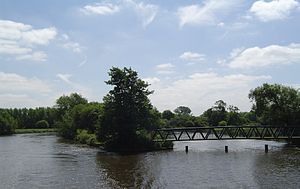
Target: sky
x=192, y=53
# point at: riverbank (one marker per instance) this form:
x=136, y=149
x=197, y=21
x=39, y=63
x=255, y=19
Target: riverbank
x=25, y=131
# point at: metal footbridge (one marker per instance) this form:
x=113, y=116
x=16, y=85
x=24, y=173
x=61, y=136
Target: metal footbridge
x=226, y=133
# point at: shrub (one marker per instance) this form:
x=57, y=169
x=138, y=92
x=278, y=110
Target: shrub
x=84, y=137
x=223, y=123
x=42, y=124
x=7, y=124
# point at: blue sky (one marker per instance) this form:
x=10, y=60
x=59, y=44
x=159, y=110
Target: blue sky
x=193, y=53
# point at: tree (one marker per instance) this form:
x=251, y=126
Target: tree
x=7, y=123
x=233, y=116
x=87, y=116
x=42, y=124
x=65, y=103
x=167, y=114
x=216, y=114
x=68, y=114
x=127, y=110
x=183, y=110
x=276, y=104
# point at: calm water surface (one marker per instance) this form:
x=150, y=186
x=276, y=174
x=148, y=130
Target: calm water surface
x=43, y=161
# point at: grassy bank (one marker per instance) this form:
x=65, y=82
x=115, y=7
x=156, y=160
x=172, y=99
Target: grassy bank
x=23, y=131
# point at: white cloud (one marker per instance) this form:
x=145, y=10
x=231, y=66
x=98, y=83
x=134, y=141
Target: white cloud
x=67, y=43
x=100, y=9
x=17, y=101
x=76, y=87
x=165, y=66
x=200, y=90
x=65, y=77
x=38, y=56
x=75, y=47
x=9, y=47
x=273, y=10
x=151, y=80
x=191, y=56
x=20, y=91
x=19, y=40
x=146, y=12
x=267, y=56
x=39, y=36
x=83, y=62
x=206, y=13
x=11, y=82
x=165, y=69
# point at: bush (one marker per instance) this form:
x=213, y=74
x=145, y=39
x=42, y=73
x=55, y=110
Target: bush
x=7, y=124
x=66, y=127
x=84, y=137
x=223, y=123
x=42, y=124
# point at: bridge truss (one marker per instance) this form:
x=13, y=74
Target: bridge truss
x=226, y=133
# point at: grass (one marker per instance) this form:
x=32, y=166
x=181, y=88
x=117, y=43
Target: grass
x=23, y=131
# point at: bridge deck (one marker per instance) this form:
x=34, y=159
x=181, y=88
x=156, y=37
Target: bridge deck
x=226, y=133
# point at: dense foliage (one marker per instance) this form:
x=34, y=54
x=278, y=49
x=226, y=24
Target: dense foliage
x=27, y=118
x=77, y=114
x=128, y=114
x=276, y=104
x=7, y=123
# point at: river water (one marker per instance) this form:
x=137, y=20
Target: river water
x=29, y=161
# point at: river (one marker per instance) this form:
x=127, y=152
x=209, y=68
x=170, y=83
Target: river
x=29, y=161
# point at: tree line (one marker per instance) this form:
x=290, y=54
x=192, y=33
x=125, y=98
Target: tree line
x=126, y=116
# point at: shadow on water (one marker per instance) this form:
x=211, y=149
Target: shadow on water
x=126, y=170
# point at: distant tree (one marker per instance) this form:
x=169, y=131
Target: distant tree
x=201, y=121
x=250, y=118
x=222, y=123
x=65, y=103
x=216, y=113
x=276, y=104
x=7, y=123
x=87, y=116
x=127, y=110
x=220, y=106
x=66, y=126
x=183, y=110
x=167, y=114
x=42, y=124
x=233, y=116
x=68, y=114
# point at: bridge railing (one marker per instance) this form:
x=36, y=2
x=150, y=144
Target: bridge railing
x=226, y=133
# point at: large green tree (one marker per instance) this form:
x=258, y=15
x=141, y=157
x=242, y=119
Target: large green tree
x=66, y=103
x=68, y=114
x=276, y=104
x=128, y=112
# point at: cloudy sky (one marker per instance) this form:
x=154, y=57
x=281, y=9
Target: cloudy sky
x=191, y=52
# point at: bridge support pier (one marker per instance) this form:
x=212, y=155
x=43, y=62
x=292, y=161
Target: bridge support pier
x=266, y=148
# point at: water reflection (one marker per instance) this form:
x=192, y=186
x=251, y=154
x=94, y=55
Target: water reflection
x=127, y=170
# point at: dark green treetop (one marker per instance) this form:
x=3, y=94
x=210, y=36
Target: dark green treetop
x=276, y=104
x=127, y=109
